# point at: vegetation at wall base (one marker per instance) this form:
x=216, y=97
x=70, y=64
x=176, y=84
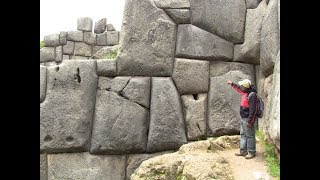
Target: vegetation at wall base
x=41, y=44
x=112, y=55
x=273, y=162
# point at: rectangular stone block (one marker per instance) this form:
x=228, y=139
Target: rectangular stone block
x=76, y=36
x=112, y=38
x=89, y=38
x=102, y=39
x=47, y=54
x=100, y=26
x=63, y=38
x=68, y=48
x=43, y=82
x=51, y=40
x=106, y=67
x=43, y=166
x=82, y=49
x=84, y=24
x=59, y=54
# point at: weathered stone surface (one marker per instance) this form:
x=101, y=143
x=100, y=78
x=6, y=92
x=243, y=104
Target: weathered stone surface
x=43, y=167
x=191, y=76
x=260, y=88
x=48, y=64
x=119, y=83
x=89, y=38
x=138, y=90
x=220, y=68
x=65, y=57
x=112, y=38
x=120, y=126
x=104, y=83
x=170, y=4
x=63, y=38
x=100, y=26
x=224, y=103
x=249, y=51
x=110, y=27
x=59, y=54
x=82, y=49
x=147, y=40
x=100, y=52
x=68, y=48
x=134, y=161
x=166, y=119
x=51, y=40
x=67, y=112
x=270, y=38
x=195, y=113
x=195, y=43
x=252, y=4
x=106, y=67
x=96, y=49
x=102, y=39
x=47, y=54
x=86, y=166
x=223, y=18
x=179, y=16
x=75, y=36
x=84, y=24
x=79, y=57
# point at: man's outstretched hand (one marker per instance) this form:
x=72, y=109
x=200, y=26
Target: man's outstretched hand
x=229, y=82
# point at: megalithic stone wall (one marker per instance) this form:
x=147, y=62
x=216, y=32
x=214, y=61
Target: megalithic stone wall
x=100, y=118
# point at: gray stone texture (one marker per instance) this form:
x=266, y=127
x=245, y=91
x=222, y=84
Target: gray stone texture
x=252, y=4
x=223, y=18
x=195, y=113
x=65, y=57
x=47, y=54
x=102, y=39
x=85, y=166
x=224, y=103
x=119, y=83
x=112, y=38
x=51, y=40
x=68, y=48
x=84, y=24
x=110, y=27
x=63, y=38
x=43, y=167
x=100, y=52
x=147, y=40
x=104, y=83
x=249, y=51
x=89, y=38
x=95, y=49
x=179, y=16
x=106, y=67
x=138, y=90
x=196, y=43
x=260, y=90
x=66, y=114
x=76, y=36
x=82, y=49
x=167, y=128
x=270, y=38
x=191, y=76
x=120, y=126
x=59, y=54
x=220, y=68
x=43, y=82
x=100, y=26
x=170, y=4
x=79, y=57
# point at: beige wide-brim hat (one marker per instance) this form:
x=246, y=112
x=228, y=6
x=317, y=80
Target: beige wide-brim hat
x=245, y=83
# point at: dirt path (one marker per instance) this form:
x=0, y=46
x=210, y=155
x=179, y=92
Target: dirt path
x=247, y=169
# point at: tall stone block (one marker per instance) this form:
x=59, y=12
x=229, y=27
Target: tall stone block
x=43, y=167
x=100, y=26
x=167, y=127
x=147, y=40
x=68, y=48
x=67, y=113
x=84, y=24
x=63, y=38
x=89, y=38
x=112, y=38
x=59, y=54
x=43, y=82
x=102, y=39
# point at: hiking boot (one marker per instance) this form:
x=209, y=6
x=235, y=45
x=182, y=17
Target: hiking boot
x=250, y=155
x=241, y=154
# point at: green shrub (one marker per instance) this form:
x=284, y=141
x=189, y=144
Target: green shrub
x=112, y=55
x=41, y=44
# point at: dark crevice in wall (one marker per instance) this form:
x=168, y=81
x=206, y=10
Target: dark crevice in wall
x=77, y=76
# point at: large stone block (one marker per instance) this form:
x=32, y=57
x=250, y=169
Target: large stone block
x=95, y=49
x=47, y=54
x=76, y=36
x=249, y=51
x=82, y=49
x=66, y=114
x=112, y=38
x=170, y=4
x=68, y=48
x=138, y=90
x=86, y=166
x=179, y=16
x=167, y=128
x=79, y=57
x=100, y=26
x=65, y=57
x=102, y=39
x=110, y=27
x=106, y=67
x=195, y=43
x=220, y=68
x=195, y=113
x=43, y=167
x=147, y=40
x=59, y=54
x=224, y=103
x=191, y=76
x=51, y=40
x=252, y=4
x=43, y=82
x=223, y=18
x=89, y=38
x=84, y=24
x=270, y=38
x=116, y=84
x=63, y=38
x=120, y=126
